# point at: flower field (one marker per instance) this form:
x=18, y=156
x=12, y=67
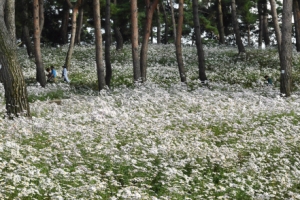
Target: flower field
x=233, y=139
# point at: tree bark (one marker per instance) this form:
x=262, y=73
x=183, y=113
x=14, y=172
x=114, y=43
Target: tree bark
x=41, y=16
x=178, y=43
x=260, y=24
x=158, y=24
x=173, y=19
x=65, y=23
x=200, y=52
x=286, y=50
x=25, y=30
x=296, y=6
x=79, y=25
x=10, y=71
x=10, y=18
x=107, y=44
x=73, y=33
x=98, y=36
x=40, y=72
x=265, y=24
x=150, y=7
x=166, y=24
x=236, y=28
x=276, y=24
x=220, y=23
x=135, y=41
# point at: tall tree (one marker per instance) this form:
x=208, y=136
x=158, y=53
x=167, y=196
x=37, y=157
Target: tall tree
x=173, y=19
x=220, y=21
x=117, y=32
x=10, y=19
x=200, y=52
x=40, y=71
x=25, y=29
x=236, y=28
x=265, y=23
x=98, y=37
x=276, y=24
x=178, y=43
x=73, y=33
x=135, y=41
x=10, y=70
x=296, y=10
x=158, y=24
x=65, y=23
x=79, y=26
x=166, y=24
x=107, y=44
x=150, y=7
x=286, y=49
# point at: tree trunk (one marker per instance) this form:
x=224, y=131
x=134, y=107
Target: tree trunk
x=286, y=49
x=296, y=6
x=135, y=41
x=200, y=52
x=79, y=26
x=25, y=29
x=10, y=71
x=178, y=43
x=173, y=19
x=260, y=24
x=107, y=44
x=65, y=23
x=265, y=24
x=236, y=28
x=220, y=23
x=9, y=15
x=248, y=34
x=98, y=36
x=276, y=24
x=117, y=33
x=73, y=33
x=166, y=24
x=41, y=15
x=158, y=24
x=40, y=72
x=150, y=7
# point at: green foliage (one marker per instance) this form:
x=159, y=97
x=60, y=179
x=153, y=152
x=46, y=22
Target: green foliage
x=58, y=94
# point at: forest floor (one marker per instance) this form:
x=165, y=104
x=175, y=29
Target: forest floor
x=233, y=139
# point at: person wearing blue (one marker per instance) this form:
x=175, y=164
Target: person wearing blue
x=65, y=74
x=53, y=73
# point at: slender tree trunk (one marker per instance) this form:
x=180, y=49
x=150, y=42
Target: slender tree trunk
x=98, y=36
x=65, y=23
x=260, y=18
x=286, y=49
x=158, y=24
x=25, y=29
x=236, y=28
x=173, y=19
x=135, y=41
x=150, y=7
x=276, y=24
x=166, y=24
x=117, y=33
x=10, y=70
x=41, y=16
x=178, y=43
x=73, y=33
x=40, y=72
x=248, y=35
x=220, y=23
x=79, y=26
x=10, y=19
x=296, y=6
x=200, y=52
x=265, y=24
x=107, y=44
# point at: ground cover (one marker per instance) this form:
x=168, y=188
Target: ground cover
x=233, y=139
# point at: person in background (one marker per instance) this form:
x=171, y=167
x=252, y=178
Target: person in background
x=53, y=73
x=65, y=74
x=49, y=75
x=269, y=80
